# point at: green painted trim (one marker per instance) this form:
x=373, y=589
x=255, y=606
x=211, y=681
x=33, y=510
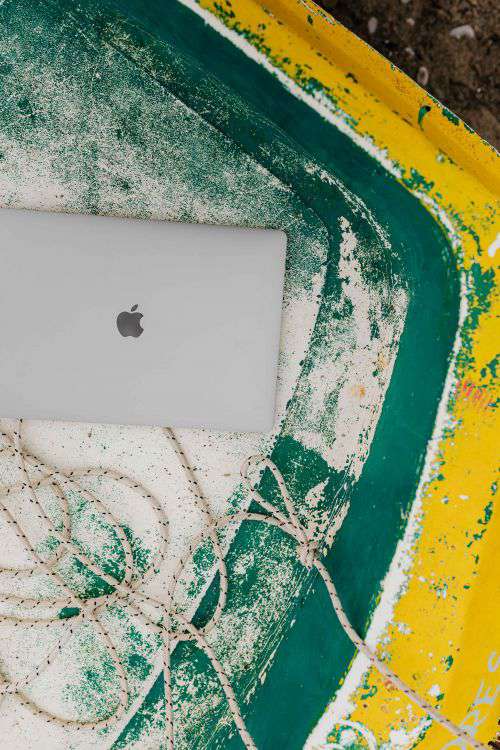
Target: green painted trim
x=390, y=477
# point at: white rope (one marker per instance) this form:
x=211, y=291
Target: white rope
x=129, y=591
x=308, y=554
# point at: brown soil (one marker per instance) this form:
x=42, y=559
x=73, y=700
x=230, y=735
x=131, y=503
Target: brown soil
x=415, y=35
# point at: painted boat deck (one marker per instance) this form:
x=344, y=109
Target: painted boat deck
x=277, y=116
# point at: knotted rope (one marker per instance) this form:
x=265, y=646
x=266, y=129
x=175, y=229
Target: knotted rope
x=129, y=592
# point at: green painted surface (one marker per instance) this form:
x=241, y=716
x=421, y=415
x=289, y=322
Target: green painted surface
x=363, y=550
x=125, y=123
x=450, y=116
x=422, y=112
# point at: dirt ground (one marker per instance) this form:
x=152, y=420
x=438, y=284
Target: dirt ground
x=415, y=34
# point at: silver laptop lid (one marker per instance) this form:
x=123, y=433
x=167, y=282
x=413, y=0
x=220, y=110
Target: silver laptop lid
x=140, y=322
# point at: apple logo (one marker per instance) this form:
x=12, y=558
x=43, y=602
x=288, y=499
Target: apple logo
x=129, y=323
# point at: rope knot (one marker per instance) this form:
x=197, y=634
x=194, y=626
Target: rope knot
x=306, y=552
x=307, y=548
x=172, y=625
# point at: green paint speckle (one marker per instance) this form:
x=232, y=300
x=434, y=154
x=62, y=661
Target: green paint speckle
x=424, y=109
x=450, y=116
x=491, y=368
x=367, y=690
x=417, y=181
x=488, y=512
x=481, y=284
x=67, y=612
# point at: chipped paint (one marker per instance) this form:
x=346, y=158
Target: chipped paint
x=116, y=134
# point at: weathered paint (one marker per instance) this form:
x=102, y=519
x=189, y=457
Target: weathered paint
x=317, y=154
x=465, y=201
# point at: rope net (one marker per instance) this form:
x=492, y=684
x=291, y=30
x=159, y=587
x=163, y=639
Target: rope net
x=159, y=614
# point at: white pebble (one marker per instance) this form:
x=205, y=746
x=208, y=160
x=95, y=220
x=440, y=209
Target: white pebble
x=463, y=32
x=372, y=25
x=410, y=21
x=423, y=76
x=410, y=51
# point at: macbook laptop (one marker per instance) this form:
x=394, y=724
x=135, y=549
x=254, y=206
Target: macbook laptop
x=139, y=322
